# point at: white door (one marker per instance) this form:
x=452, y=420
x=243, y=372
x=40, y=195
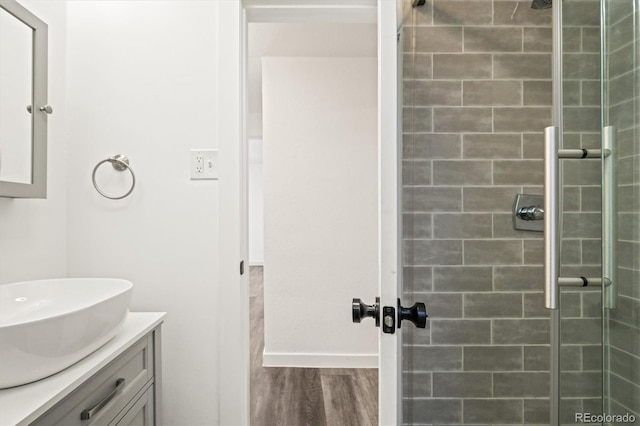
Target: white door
x=233, y=369
x=390, y=272
x=392, y=315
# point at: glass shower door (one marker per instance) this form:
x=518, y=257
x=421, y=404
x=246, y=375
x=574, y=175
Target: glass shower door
x=621, y=69
x=578, y=321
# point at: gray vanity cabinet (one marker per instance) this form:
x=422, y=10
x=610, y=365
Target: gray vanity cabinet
x=124, y=392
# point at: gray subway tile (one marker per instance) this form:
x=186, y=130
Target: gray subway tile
x=489, y=199
x=520, y=13
x=490, y=93
x=431, y=411
x=533, y=145
x=522, y=66
x=492, y=252
x=492, y=39
x=462, y=278
x=417, y=119
x=430, y=199
x=446, y=12
x=462, y=225
x=416, y=172
x=416, y=384
x=592, y=357
x=571, y=93
x=492, y=305
x=533, y=252
x=416, y=225
x=582, y=66
x=492, y=358
x=580, y=331
x=625, y=365
x=625, y=393
x=503, y=411
x=591, y=198
x=432, y=92
x=582, y=225
x=528, y=384
x=571, y=39
x=518, y=172
x=417, y=279
x=438, y=39
x=581, y=13
x=534, y=306
x=433, y=358
x=570, y=358
x=503, y=228
x=536, y=92
x=462, y=119
x=416, y=66
x=537, y=39
x=434, y=252
x=581, y=119
x=432, y=146
x=461, y=385
x=467, y=66
x=537, y=411
x=590, y=93
x=537, y=358
x=521, y=119
x=570, y=304
x=495, y=145
x=521, y=331
x=581, y=384
x=591, y=252
x=452, y=172
x=460, y=331
x=519, y=278
x=444, y=305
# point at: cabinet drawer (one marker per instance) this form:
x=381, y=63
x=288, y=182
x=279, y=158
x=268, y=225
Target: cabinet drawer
x=139, y=413
x=135, y=366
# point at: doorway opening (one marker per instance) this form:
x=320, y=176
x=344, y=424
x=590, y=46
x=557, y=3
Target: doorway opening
x=312, y=214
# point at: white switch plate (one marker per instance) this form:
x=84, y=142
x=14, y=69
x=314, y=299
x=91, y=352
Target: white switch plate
x=203, y=164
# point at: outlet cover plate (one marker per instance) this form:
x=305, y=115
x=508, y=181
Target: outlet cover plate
x=203, y=164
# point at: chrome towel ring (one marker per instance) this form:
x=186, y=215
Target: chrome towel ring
x=120, y=163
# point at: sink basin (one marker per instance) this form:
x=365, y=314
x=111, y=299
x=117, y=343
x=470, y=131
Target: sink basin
x=48, y=325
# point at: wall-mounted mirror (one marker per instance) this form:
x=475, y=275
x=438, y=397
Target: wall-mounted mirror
x=23, y=102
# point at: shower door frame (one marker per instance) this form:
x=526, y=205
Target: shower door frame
x=233, y=19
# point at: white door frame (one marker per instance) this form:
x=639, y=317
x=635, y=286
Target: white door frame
x=233, y=296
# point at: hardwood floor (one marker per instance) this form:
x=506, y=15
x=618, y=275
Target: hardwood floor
x=305, y=396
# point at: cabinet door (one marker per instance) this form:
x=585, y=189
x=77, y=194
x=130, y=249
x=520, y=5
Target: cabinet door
x=142, y=412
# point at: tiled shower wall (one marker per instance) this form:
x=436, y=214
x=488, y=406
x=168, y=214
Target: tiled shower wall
x=477, y=95
x=624, y=322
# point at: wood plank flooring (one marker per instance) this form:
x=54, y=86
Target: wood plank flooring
x=305, y=396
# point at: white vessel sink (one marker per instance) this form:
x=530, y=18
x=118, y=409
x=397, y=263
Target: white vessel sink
x=47, y=325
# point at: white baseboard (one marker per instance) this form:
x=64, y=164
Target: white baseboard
x=320, y=360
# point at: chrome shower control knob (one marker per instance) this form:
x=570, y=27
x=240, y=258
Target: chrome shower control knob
x=531, y=213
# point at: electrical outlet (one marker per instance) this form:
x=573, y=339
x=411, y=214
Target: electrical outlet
x=204, y=164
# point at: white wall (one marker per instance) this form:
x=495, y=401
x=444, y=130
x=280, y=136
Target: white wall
x=256, y=210
x=320, y=209
x=33, y=232
x=142, y=81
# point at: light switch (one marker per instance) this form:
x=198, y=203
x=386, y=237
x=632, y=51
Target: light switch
x=204, y=164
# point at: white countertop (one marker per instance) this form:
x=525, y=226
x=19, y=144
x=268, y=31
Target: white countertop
x=23, y=404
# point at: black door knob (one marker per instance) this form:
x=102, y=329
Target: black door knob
x=359, y=311
x=417, y=314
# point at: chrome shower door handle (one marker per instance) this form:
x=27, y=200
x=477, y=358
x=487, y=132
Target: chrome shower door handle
x=552, y=217
x=609, y=217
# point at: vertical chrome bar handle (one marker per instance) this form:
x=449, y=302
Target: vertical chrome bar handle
x=609, y=217
x=552, y=217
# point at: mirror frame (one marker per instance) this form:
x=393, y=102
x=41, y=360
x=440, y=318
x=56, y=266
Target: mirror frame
x=38, y=186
